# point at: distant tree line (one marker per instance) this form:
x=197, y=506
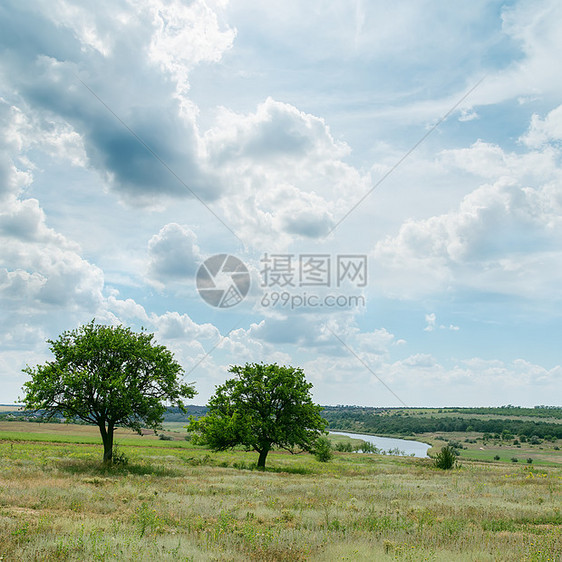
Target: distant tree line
x=361, y=420
x=509, y=410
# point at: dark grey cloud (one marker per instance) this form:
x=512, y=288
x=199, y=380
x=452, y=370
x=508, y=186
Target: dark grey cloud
x=309, y=225
x=306, y=332
x=40, y=63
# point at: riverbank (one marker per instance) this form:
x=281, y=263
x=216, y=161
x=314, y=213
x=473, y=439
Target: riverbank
x=389, y=445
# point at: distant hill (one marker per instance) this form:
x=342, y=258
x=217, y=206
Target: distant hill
x=176, y=415
x=14, y=412
x=541, y=421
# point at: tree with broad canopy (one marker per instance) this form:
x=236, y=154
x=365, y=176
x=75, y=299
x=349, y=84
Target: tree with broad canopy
x=262, y=407
x=109, y=376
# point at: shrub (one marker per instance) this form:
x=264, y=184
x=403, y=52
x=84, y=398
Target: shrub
x=445, y=460
x=344, y=447
x=119, y=458
x=514, y=459
x=529, y=460
x=163, y=437
x=367, y=447
x=497, y=458
x=323, y=450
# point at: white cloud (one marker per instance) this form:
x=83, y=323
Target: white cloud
x=126, y=310
x=173, y=254
x=430, y=319
x=503, y=237
x=543, y=131
x=341, y=85
x=276, y=131
x=173, y=326
x=184, y=36
x=284, y=170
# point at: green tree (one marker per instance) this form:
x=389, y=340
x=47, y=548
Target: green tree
x=446, y=458
x=261, y=407
x=323, y=451
x=109, y=376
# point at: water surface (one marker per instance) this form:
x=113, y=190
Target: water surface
x=407, y=447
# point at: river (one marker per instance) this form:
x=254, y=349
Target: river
x=407, y=447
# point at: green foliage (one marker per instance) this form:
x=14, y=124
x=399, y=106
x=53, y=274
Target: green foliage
x=378, y=421
x=366, y=447
x=108, y=376
x=323, y=450
x=445, y=459
x=261, y=407
x=344, y=447
x=119, y=458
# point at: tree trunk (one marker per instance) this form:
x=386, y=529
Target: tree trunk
x=263, y=456
x=107, y=439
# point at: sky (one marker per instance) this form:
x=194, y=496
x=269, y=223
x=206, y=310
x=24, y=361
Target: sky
x=386, y=177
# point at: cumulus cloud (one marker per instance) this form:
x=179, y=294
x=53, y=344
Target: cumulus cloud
x=322, y=334
x=173, y=254
x=12, y=177
x=173, y=325
x=40, y=267
x=57, y=278
x=277, y=171
x=184, y=36
x=53, y=50
x=275, y=131
x=24, y=220
x=287, y=173
x=41, y=270
x=464, y=383
x=544, y=131
x=495, y=238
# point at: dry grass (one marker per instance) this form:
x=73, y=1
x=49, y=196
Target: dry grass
x=58, y=503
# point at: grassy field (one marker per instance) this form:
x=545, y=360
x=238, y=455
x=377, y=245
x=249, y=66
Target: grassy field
x=543, y=454
x=174, y=501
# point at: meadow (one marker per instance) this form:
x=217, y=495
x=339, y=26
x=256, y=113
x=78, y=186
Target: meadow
x=176, y=501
